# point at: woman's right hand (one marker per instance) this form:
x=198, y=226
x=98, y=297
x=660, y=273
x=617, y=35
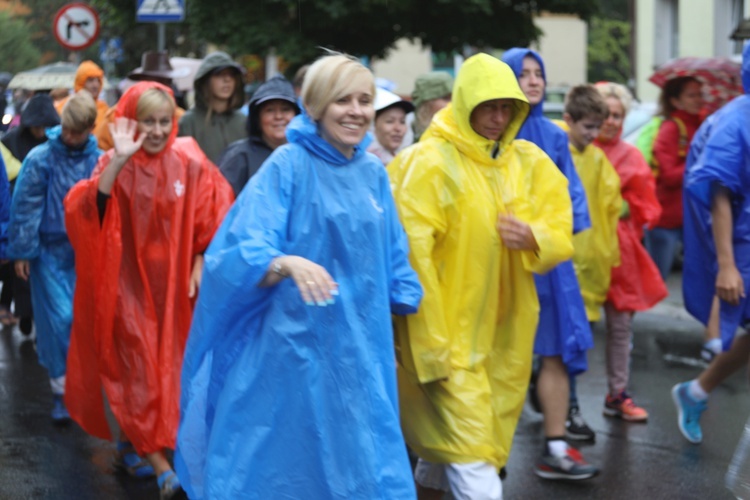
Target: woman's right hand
x=729, y=285
x=123, y=137
x=313, y=281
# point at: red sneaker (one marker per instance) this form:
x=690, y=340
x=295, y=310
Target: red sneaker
x=623, y=406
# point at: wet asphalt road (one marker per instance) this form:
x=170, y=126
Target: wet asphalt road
x=638, y=461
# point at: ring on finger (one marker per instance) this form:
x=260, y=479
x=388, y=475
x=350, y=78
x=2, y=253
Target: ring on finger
x=310, y=282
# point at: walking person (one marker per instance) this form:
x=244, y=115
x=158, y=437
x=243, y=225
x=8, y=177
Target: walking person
x=389, y=127
x=38, y=239
x=563, y=336
x=636, y=284
x=216, y=121
x=139, y=227
x=89, y=76
x=289, y=380
x=270, y=110
x=464, y=194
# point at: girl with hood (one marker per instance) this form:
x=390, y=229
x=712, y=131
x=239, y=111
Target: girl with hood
x=483, y=212
x=289, y=380
x=89, y=76
x=139, y=227
x=564, y=335
x=636, y=284
x=270, y=110
x=38, y=240
x=215, y=121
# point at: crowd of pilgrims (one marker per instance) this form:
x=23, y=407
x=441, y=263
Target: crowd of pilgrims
x=340, y=292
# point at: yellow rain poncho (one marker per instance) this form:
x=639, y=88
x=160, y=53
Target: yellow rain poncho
x=465, y=357
x=597, y=250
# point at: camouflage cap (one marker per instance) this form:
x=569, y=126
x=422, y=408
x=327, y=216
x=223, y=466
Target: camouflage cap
x=430, y=86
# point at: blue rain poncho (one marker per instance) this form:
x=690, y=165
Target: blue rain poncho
x=37, y=233
x=283, y=400
x=4, y=208
x=563, y=326
x=719, y=154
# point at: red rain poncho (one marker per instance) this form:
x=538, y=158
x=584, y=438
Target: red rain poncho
x=636, y=283
x=131, y=308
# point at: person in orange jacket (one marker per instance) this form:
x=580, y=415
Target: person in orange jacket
x=90, y=77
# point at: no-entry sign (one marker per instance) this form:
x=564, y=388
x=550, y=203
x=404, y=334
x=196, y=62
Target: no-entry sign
x=76, y=26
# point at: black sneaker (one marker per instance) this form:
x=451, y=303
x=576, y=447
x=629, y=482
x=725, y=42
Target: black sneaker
x=570, y=467
x=576, y=428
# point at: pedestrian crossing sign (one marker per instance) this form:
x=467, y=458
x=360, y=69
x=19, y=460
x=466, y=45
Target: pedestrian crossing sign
x=160, y=11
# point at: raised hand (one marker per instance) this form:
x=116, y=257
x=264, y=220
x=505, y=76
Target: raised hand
x=123, y=137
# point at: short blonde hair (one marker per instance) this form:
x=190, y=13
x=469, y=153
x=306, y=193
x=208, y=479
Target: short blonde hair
x=79, y=113
x=618, y=91
x=332, y=77
x=153, y=100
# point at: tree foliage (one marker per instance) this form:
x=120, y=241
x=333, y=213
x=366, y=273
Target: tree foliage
x=19, y=53
x=608, y=49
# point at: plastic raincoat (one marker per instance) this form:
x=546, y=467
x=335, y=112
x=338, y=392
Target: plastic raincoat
x=86, y=70
x=5, y=201
x=719, y=153
x=636, y=284
x=37, y=234
x=131, y=307
x=285, y=400
x=597, y=250
x=563, y=326
x=465, y=357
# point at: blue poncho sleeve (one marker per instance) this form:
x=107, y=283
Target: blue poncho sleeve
x=5, y=201
x=27, y=208
x=564, y=161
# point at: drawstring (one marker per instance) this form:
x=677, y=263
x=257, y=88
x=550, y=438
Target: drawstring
x=495, y=150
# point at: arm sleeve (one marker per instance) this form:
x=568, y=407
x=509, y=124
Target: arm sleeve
x=581, y=217
x=234, y=167
x=671, y=166
x=421, y=195
x=613, y=204
x=27, y=208
x=5, y=201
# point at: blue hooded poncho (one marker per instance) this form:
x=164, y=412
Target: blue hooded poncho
x=283, y=400
x=719, y=154
x=37, y=233
x=563, y=327
x=4, y=208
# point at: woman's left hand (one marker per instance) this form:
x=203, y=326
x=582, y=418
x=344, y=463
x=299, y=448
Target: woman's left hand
x=516, y=234
x=195, y=276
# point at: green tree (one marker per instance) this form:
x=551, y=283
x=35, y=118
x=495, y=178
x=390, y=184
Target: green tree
x=19, y=53
x=609, y=46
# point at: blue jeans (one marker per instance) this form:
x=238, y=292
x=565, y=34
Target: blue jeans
x=661, y=244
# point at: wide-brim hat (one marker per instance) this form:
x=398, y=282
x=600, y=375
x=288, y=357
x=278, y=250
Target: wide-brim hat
x=385, y=99
x=155, y=64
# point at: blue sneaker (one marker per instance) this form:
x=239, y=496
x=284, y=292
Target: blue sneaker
x=688, y=413
x=60, y=414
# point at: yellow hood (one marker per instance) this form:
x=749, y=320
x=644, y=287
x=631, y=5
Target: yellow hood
x=481, y=78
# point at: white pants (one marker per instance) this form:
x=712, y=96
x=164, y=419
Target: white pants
x=473, y=481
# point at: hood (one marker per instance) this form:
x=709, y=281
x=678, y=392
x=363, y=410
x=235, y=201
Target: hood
x=514, y=58
x=128, y=103
x=277, y=87
x=54, y=139
x=303, y=130
x=212, y=62
x=481, y=78
x=86, y=70
x=40, y=112
x=746, y=68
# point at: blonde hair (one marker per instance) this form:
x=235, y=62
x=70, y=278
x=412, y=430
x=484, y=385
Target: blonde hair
x=79, y=113
x=618, y=91
x=332, y=77
x=151, y=101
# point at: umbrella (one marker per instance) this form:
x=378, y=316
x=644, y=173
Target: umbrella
x=52, y=76
x=185, y=83
x=721, y=77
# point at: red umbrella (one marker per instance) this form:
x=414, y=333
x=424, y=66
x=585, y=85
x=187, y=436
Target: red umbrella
x=721, y=77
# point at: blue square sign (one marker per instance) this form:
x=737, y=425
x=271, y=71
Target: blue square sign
x=160, y=11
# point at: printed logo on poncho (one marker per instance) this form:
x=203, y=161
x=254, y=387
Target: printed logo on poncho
x=179, y=188
x=375, y=204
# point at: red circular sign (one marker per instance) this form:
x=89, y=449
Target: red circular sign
x=76, y=26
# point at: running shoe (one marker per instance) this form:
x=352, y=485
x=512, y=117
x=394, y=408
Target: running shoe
x=623, y=407
x=571, y=467
x=689, y=413
x=576, y=428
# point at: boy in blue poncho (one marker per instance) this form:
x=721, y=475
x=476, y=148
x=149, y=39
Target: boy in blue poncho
x=717, y=247
x=38, y=240
x=563, y=336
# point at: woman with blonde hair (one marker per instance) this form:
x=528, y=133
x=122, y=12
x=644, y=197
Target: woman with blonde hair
x=139, y=227
x=289, y=379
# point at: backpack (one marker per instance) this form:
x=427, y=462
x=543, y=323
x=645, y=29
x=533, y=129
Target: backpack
x=647, y=137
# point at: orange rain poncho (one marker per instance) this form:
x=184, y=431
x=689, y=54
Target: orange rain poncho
x=132, y=313
x=465, y=357
x=86, y=70
x=636, y=283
